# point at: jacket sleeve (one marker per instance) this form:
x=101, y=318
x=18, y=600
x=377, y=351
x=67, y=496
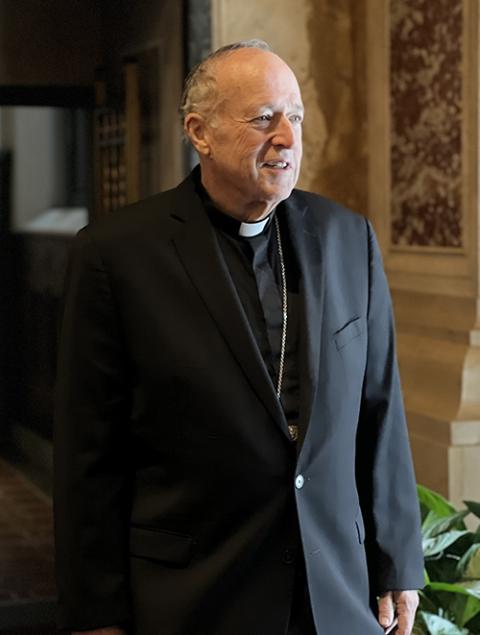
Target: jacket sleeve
x=91, y=476
x=385, y=474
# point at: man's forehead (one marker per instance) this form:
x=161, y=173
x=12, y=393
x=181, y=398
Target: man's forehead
x=253, y=79
x=254, y=65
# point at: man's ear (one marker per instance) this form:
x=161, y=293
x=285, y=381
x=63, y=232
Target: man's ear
x=196, y=130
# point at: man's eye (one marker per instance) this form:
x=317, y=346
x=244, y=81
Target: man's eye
x=264, y=118
x=296, y=118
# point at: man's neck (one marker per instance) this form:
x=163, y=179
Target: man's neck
x=246, y=213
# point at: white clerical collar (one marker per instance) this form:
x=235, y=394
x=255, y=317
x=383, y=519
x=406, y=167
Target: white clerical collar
x=248, y=230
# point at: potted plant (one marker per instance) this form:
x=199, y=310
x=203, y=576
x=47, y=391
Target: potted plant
x=450, y=601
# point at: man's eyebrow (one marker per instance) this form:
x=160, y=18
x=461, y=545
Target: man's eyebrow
x=298, y=107
x=258, y=108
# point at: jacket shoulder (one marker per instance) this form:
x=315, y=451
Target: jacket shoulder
x=325, y=210
x=335, y=225
x=152, y=214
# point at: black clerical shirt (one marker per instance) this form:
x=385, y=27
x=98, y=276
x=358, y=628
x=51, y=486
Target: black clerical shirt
x=254, y=266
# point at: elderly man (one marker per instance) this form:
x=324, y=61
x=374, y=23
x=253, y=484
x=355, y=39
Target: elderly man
x=231, y=449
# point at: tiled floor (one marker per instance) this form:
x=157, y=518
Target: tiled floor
x=26, y=549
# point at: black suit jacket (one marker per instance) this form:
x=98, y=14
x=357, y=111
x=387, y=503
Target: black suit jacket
x=178, y=501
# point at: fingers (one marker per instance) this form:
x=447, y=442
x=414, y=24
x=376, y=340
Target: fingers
x=386, y=609
x=406, y=604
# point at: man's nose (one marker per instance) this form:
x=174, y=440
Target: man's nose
x=284, y=133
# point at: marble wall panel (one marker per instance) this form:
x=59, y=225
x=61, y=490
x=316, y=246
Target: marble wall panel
x=426, y=122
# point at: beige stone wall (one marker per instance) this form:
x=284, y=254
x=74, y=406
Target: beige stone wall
x=324, y=42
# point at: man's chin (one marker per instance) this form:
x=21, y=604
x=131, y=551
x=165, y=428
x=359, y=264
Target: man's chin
x=279, y=194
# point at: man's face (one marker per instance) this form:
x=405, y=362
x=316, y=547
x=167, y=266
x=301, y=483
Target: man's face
x=255, y=136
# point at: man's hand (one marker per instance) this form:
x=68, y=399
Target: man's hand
x=403, y=604
x=109, y=630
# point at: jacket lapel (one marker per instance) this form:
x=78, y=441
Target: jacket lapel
x=200, y=254
x=307, y=248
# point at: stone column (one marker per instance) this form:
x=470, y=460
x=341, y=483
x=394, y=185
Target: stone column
x=422, y=62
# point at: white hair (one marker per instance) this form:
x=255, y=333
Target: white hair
x=200, y=86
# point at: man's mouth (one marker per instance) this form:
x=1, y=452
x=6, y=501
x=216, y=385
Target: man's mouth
x=277, y=165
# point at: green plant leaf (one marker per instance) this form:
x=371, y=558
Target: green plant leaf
x=441, y=525
x=440, y=626
x=474, y=624
x=470, y=609
x=426, y=603
x=443, y=568
x=463, y=608
x=450, y=601
x=419, y=627
x=429, y=520
x=434, y=502
x=472, y=586
x=466, y=604
x=452, y=587
x=462, y=545
x=473, y=507
x=435, y=546
x=468, y=568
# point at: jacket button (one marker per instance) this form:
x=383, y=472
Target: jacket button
x=299, y=481
x=288, y=557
